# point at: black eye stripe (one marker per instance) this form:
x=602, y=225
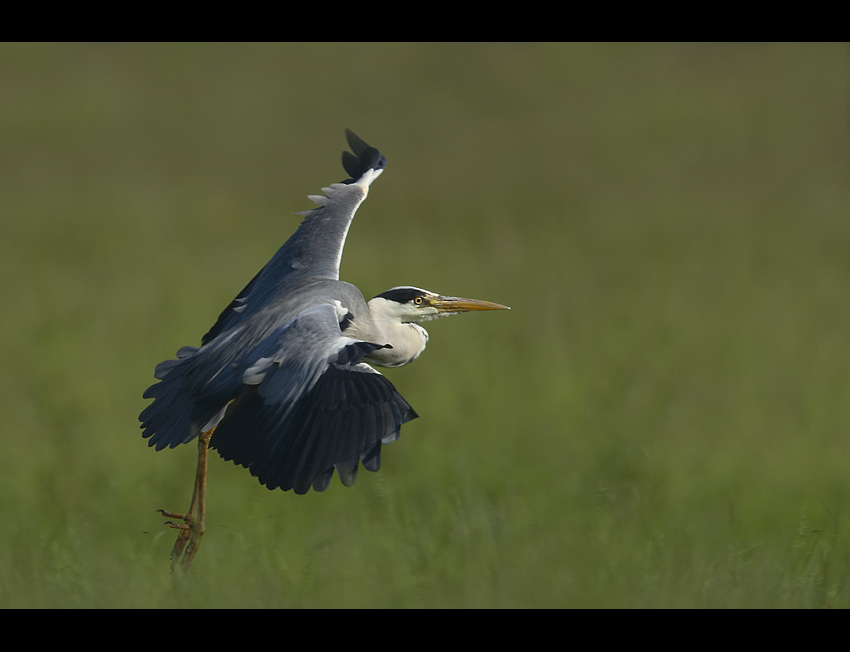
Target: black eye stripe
x=402, y=295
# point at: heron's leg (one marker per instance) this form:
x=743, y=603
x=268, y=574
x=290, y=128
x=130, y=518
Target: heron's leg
x=192, y=529
x=198, y=509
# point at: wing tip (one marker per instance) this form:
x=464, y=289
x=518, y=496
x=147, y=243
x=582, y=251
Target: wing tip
x=363, y=159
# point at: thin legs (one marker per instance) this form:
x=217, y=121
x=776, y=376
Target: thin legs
x=192, y=529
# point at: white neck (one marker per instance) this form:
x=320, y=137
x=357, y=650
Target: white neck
x=407, y=339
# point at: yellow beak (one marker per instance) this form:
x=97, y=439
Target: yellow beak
x=459, y=304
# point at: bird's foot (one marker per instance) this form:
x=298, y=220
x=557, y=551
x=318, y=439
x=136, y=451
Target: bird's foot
x=191, y=529
x=188, y=537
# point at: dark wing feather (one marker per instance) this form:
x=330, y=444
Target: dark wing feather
x=186, y=398
x=308, y=405
x=341, y=420
x=363, y=159
x=231, y=315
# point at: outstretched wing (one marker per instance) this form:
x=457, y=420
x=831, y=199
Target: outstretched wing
x=315, y=249
x=284, y=388
x=310, y=406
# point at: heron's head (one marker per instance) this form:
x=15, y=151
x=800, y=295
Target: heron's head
x=410, y=304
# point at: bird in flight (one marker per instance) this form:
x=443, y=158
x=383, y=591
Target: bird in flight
x=284, y=382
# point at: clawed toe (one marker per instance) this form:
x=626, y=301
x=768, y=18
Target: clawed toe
x=182, y=517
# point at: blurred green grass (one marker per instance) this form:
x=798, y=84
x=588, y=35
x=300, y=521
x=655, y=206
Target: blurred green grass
x=660, y=421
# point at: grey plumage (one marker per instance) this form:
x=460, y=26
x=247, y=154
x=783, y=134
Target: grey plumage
x=281, y=374
x=257, y=373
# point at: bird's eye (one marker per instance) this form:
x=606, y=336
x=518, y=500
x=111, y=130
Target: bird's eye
x=417, y=301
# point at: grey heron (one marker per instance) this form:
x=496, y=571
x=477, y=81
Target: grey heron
x=283, y=382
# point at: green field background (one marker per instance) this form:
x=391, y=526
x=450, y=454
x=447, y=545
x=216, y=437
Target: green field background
x=661, y=420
